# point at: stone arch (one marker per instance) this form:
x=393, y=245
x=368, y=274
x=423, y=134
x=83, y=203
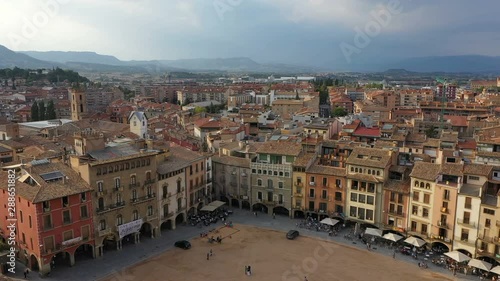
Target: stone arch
x=465, y=252
x=235, y=203
x=34, y=264
x=259, y=207
x=491, y=260
x=180, y=218
x=166, y=225
x=84, y=251
x=280, y=210
x=298, y=214
x=441, y=245
x=192, y=211
x=224, y=198
x=245, y=205
x=146, y=230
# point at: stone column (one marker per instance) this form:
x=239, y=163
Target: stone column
x=173, y=224
x=71, y=259
x=137, y=238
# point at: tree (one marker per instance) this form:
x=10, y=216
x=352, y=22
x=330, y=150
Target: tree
x=339, y=112
x=34, y=112
x=211, y=108
x=336, y=82
x=431, y=132
x=297, y=96
x=41, y=111
x=199, y=109
x=51, y=111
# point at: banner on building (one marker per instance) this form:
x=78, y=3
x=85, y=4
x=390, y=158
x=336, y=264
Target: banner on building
x=129, y=228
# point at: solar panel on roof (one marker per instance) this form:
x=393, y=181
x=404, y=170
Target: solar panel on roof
x=56, y=175
x=40, y=162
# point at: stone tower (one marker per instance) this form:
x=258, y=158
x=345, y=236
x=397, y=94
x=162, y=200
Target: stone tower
x=78, y=104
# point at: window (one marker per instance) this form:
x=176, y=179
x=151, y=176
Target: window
x=474, y=178
x=400, y=198
x=424, y=228
x=66, y=217
x=150, y=210
x=369, y=214
x=119, y=220
x=354, y=185
x=83, y=212
x=446, y=194
x=324, y=194
x=416, y=196
x=65, y=201
x=83, y=197
x=414, y=210
x=464, y=235
x=370, y=200
x=311, y=192
x=325, y=182
x=361, y=198
x=487, y=223
x=312, y=181
x=427, y=198
x=118, y=198
x=134, y=195
x=413, y=226
x=29, y=220
x=100, y=186
x=425, y=212
x=280, y=184
x=354, y=197
x=133, y=179
x=489, y=211
x=353, y=211
x=468, y=202
x=393, y=197
x=117, y=182
x=102, y=225
x=135, y=215
x=46, y=206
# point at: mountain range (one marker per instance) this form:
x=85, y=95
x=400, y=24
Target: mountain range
x=93, y=62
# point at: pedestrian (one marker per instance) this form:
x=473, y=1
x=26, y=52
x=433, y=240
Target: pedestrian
x=274, y=215
x=394, y=255
x=211, y=253
x=208, y=256
x=25, y=274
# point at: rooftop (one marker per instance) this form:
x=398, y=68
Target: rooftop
x=370, y=157
x=425, y=171
x=179, y=158
x=280, y=148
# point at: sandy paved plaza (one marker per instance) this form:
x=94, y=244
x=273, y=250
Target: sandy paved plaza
x=272, y=257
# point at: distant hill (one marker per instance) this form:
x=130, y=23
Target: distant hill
x=65, y=57
x=470, y=63
x=10, y=59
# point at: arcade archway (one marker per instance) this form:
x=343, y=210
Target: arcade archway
x=281, y=211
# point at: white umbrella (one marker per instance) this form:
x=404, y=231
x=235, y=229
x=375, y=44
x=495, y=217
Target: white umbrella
x=373, y=232
x=457, y=256
x=417, y=242
x=329, y=221
x=496, y=270
x=480, y=264
x=393, y=237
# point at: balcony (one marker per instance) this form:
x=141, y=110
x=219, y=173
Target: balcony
x=148, y=197
x=312, y=183
x=296, y=194
x=181, y=209
x=104, y=232
x=298, y=184
x=118, y=188
x=485, y=252
x=134, y=185
x=151, y=217
x=323, y=198
x=338, y=199
x=441, y=238
x=100, y=193
x=443, y=224
x=396, y=213
x=209, y=168
x=324, y=185
x=149, y=181
x=179, y=194
x=445, y=210
x=466, y=222
x=298, y=207
x=48, y=226
x=489, y=239
x=46, y=210
x=168, y=215
x=312, y=196
x=465, y=241
x=111, y=207
x=338, y=186
x=468, y=206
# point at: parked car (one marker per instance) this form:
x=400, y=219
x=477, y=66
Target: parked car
x=183, y=244
x=292, y=234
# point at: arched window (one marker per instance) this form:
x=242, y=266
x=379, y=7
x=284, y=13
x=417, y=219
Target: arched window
x=148, y=176
x=416, y=183
x=134, y=194
x=118, y=198
x=369, y=171
x=135, y=215
x=165, y=191
x=352, y=169
x=110, y=169
x=117, y=182
x=133, y=179
x=421, y=185
x=428, y=186
x=100, y=203
x=100, y=186
x=259, y=182
x=378, y=173
x=119, y=220
x=102, y=224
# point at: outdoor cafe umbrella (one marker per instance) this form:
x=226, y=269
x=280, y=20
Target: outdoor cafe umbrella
x=417, y=242
x=373, y=232
x=457, y=256
x=496, y=270
x=480, y=264
x=392, y=237
x=329, y=221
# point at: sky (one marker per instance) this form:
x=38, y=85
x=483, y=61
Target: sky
x=306, y=32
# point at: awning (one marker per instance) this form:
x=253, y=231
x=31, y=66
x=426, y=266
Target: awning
x=213, y=206
x=417, y=242
x=480, y=264
x=329, y=221
x=457, y=256
x=373, y=232
x=393, y=237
